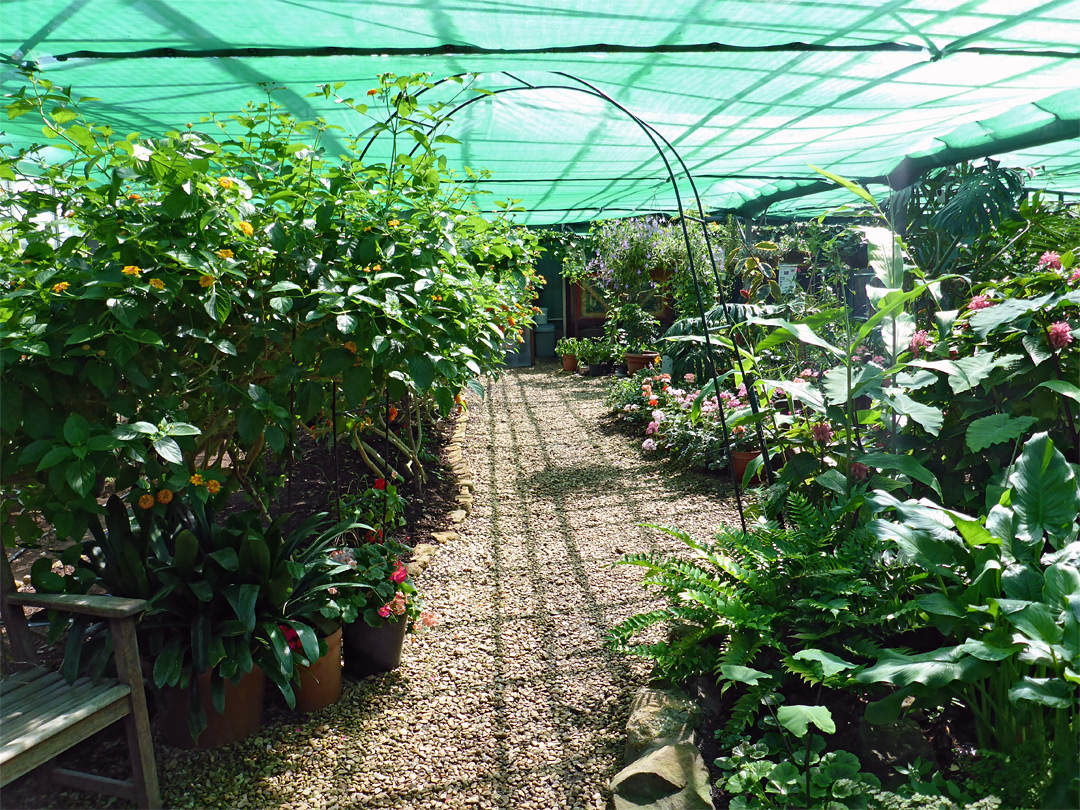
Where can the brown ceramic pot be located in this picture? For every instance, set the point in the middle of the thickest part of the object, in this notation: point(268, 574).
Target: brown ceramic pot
point(242, 716)
point(636, 362)
point(569, 362)
point(740, 459)
point(320, 683)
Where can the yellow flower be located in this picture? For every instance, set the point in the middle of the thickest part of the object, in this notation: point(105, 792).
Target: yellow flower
point(164, 496)
point(213, 487)
point(156, 283)
point(247, 229)
point(225, 182)
point(224, 253)
point(132, 270)
point(376, 267)
point(59, 288)
point(146, 500)
point(436, 298)
point(656, 360)
point(393, 223)
point(207, 281)
point(197, 480)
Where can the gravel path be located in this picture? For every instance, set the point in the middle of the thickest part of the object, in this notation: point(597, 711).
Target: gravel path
point(511, 701)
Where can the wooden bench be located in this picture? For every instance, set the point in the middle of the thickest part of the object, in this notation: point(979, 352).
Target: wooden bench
point(42, 715)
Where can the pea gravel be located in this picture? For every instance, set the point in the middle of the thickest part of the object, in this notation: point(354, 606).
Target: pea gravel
point(511, 701)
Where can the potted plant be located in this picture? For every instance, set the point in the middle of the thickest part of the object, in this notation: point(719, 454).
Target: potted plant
point(634, 330)
point(224, 603)
point(379, 611)
point(569, 349)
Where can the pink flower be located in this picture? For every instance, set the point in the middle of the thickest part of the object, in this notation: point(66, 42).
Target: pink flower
point(859, 471)
point(648, 445)
point(879, 360)
point(979, 302)
point(689, 377)
point(397, 604)
point(428, 619)
point(1060, 335)
point(400, 574)
point(920, 340)
point(658, 416)
point(292, 638)
point(1075, 275)
point(821, 432)
point(384, 611)
point(652, 428)
point(1050, 259)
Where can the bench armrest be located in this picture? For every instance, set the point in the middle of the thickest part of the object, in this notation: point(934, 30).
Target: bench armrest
point(101, 607)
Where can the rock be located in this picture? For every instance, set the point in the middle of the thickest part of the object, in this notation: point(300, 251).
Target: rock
point(444, 537)
point(466, 501)
point(425, 550)
point(666, 777)
point(466, 483)
point(659, 714)
point(414, 568)
point(458, 516)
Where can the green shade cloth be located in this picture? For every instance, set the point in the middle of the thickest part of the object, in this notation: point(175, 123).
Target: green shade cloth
point(749, 92)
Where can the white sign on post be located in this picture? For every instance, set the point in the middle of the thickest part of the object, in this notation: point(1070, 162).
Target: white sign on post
point(785, 277)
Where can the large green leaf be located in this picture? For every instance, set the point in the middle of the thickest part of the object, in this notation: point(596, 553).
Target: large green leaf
point(830, 664)
point(1045, 495)
point(928, 417)
point(800, 391)
point(996, 428)
point(863, 379)
point(987, 320)
point(886, 255)
point(936, 669)
point(907, 465)
point(803, 332)
point(1052, 692)
point(1066, 389)
point(797, 719)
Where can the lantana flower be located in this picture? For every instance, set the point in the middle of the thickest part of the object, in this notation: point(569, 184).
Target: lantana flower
point(164, 496)
point(207, 281)
point(246, 228)
point(132, 270)
point(59, 288)
point(213, 487)
point(196, 480)
point(156, 283)
point(224, 253)
point(146, 500)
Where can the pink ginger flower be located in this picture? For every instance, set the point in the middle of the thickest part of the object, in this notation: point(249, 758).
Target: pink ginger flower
point(1060, 335)
point(920, 340)
point(979, 302)
point(1075, 277)
point(648, 445)
point(879, 360)
point(1051, 259)
point(400, 574)
point(822, 433)
point(859, 471)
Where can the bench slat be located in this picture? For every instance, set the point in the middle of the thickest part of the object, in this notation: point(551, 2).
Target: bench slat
point(64, 702)
point(28, 704)
point(23, 692)
point(63, 717)
point(18, 678)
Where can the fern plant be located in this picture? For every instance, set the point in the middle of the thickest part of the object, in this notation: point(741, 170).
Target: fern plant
point(761, 596)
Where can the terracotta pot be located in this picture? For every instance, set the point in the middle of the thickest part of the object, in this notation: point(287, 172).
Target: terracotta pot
point(569, 362)
point(242, 716)
point(320, 683)
point(740, 459)
point(636, 362)
point(370, 650)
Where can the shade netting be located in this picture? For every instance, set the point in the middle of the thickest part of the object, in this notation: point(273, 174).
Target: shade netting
point(748, 92)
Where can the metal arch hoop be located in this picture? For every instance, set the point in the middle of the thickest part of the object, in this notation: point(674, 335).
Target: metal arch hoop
point(655, 137)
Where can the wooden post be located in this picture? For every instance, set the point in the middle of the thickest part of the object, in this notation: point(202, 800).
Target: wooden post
point(137, 724)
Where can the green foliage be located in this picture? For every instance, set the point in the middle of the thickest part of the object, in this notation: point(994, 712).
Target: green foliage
point(1007, 601)
point(213, 292)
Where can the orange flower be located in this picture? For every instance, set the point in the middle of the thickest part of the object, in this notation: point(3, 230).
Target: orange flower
point(225, 182)
point(374, 91)
point(135, 197)
point(156, 283)
point(59, 288)
point(213, 487)
point(393, 413)
point(197, 480)
point(436, 298)
point(376, 267)
point(207, 281)
point(132, 270)
point(164, 496)
point(393, 223)
point(653, 402)
point(246, 228)
point(146, 500)
point(350, 346)
point(224, 253)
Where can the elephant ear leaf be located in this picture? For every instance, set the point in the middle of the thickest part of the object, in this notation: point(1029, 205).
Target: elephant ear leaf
point(797, 719)
point(1045, 497)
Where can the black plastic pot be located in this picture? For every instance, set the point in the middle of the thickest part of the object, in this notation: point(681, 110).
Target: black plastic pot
point(370, 650)
point(598, 369)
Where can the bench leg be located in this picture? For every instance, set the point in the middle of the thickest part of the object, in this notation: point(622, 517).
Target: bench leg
point(136, 724)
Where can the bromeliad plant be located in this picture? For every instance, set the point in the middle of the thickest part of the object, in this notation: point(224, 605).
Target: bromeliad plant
point(222, 598)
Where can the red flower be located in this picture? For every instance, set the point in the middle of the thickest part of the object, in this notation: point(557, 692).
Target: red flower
point(380, 483)
point(400, 574)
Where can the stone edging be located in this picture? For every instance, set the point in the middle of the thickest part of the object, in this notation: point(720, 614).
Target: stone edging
point(664, 768)
point(425, 552)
